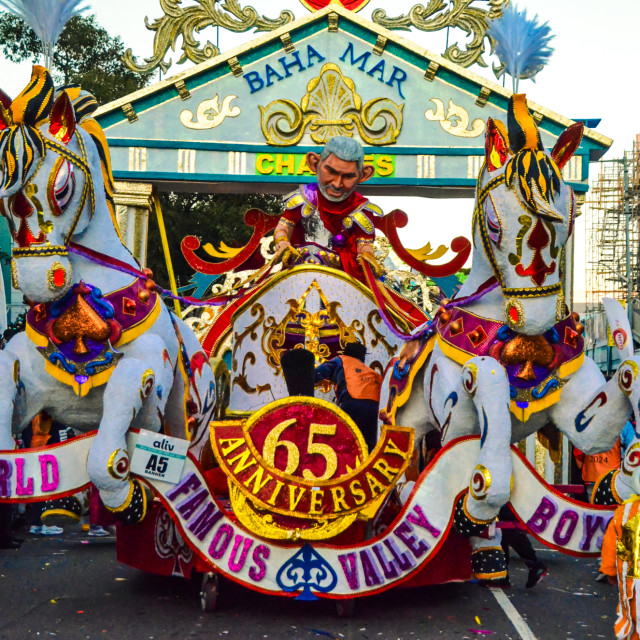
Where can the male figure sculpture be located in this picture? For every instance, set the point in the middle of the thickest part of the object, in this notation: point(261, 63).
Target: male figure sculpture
point(331, 214)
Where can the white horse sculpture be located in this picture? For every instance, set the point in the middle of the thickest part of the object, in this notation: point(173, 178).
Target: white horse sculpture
point(101, 349)
point(506, 356)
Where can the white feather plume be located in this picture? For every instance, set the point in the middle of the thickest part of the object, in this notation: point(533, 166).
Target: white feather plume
point(521, 43)
point(46, 17)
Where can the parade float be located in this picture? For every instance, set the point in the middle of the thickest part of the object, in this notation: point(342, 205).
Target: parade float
point(222, 466)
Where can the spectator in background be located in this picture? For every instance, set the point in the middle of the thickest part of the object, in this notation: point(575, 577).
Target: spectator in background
point(42, 431)
point(595, 466)
point(357, 388)
point(514, 536)
point(607, 572)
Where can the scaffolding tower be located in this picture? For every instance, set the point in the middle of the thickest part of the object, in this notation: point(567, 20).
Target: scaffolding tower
point(607, 263)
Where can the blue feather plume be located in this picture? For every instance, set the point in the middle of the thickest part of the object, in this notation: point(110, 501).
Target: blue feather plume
point(46, 17)
point(522, 44)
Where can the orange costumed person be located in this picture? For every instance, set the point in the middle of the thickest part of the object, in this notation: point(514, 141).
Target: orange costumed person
point(626, 525)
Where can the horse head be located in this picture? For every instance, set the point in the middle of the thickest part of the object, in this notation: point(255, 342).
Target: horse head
point(47, 189)
point(524, 216)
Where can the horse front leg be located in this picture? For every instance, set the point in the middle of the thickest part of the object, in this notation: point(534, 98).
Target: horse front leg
point(486, 383)
point(592, 413)
point(133, 393)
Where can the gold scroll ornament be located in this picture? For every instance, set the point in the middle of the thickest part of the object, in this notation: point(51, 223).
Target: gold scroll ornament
point(456, 121)
point(183, 22)
point(438, 15)
point(331, 107)
point(316, 326)
point(209, 114)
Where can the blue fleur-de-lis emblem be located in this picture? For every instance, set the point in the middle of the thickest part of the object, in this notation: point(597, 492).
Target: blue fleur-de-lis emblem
point(307, 570)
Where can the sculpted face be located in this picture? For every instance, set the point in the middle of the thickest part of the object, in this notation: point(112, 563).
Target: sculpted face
point(337, 179)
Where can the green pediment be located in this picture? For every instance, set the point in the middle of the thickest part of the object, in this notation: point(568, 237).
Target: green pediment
point(251, 114)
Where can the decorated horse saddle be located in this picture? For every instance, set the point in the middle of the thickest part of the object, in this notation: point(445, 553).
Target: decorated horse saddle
point(77, 334)
point(536, 365)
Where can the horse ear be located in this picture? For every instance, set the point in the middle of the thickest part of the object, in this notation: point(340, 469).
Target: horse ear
point(62, 121)
point(496, 145)
point(567, 144)
point(5, 114)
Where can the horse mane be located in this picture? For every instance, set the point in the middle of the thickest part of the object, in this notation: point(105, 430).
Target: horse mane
point(531, 170)
point(20, 123)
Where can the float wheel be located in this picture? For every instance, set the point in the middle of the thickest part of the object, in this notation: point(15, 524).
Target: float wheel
point(345, 608)
point(209, 590)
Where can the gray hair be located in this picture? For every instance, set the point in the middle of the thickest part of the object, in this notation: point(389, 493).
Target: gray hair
point(346, 149)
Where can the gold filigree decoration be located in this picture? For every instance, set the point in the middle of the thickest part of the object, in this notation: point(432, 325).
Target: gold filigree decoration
point(256, 310)
point(313, 325)
point(183, 22)
point(261, 522)
point(374, 316)
point(331, 107)
point(628, 547)
point(209, 114)
point(241, 378)
point(439, 14)
point(412, 285)
point(456, 121)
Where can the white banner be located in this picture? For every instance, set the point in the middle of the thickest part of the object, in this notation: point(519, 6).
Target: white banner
point(375, 565)
point(392, 557)
point(44, 473)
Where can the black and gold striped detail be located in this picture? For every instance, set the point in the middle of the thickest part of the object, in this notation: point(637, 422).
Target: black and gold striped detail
point(489, 564)
point(604, 491)
point(466, 524)
point(39, 251)
point(533, 292)
point(21, 144)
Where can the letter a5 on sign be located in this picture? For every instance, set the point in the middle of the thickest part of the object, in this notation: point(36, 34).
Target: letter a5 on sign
point(158, 456)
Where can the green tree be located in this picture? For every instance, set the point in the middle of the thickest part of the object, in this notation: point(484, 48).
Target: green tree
point(212, 218)
point(85, 54)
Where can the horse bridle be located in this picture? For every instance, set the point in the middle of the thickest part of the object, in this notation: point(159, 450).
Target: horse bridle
point(480, 215)
point(88, 190)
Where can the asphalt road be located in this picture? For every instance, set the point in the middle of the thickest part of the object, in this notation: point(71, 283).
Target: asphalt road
point(73, 588)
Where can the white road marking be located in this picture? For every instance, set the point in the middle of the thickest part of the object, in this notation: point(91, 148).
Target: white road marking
point(512, 613)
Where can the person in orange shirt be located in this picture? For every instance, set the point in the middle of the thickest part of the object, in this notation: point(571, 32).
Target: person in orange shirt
point(608, 556)
point(357, 388)
point(595, 466)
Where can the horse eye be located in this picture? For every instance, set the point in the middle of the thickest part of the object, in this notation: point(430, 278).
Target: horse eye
point(494, 228)
point(63, 187)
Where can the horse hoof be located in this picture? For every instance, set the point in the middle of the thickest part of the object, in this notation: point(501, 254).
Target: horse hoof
point(464, 523)
point(61, 511)
point(489, 565)
point(135, 508)
point(604, 492)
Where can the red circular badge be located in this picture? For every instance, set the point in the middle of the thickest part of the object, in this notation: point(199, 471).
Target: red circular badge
point(307, 438)
point(316, 5)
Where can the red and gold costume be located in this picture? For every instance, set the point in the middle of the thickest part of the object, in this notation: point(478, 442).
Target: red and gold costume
point(348, 224)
